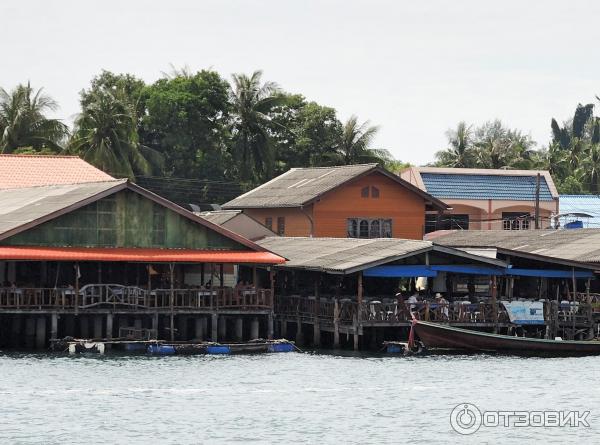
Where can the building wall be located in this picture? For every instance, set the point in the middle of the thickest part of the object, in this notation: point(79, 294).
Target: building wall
point(487, 214)
point(124, 219)
point(297, 223)
point(405, 208)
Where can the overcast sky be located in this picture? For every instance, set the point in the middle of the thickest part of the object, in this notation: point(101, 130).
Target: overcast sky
point(413, 68)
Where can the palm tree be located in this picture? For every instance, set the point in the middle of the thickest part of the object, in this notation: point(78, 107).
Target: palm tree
point(106, 136)
point(354, 146)
point(24, 124)
point(252, 103)
point(460, 150)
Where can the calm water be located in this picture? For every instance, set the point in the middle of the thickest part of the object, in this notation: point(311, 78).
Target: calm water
point(278, 398)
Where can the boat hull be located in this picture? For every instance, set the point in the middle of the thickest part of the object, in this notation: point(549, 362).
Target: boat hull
point(439, 336)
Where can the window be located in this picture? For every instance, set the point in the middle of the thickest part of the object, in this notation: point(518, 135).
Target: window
point(515, 220)
point(352, 228)
point(280, 225)
point(369, 228)
point(269, 223)
point(446, 222)
point(158, 225)
point(364, 193)
point(374, 192)
point(386, 228)
point(375, 231)
point(364, 228)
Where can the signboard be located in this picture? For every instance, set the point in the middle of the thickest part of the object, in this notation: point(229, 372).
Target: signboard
point(525, 312)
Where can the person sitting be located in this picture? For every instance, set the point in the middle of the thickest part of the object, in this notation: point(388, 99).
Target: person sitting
point(413, 300)
point(208, 285)
point(443, 305)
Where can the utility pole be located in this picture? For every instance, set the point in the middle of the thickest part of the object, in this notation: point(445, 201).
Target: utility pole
point(537, 202)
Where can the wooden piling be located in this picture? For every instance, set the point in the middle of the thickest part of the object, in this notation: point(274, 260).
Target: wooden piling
point(109, 326)
point(54, 326)
point(254, 329)
point(355, 330)
point(40, 332)
point(214, 327)
point(270, 327)
point(336, 324)
point(239, 329)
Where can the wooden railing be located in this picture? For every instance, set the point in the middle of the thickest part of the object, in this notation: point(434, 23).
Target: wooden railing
point(116, 295)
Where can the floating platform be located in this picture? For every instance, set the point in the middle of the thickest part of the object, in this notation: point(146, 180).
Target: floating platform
point(254, 347)
point(159, 347)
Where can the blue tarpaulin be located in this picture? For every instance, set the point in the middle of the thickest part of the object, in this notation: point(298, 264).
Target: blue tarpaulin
point(399, 271)
point(469, 269)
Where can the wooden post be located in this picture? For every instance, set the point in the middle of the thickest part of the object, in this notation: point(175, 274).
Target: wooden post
point(359, 296)
point(573, 306)
point(271, 301)
point(149, 267)
point(109, 326)
point(213, 327)
point(76, 296)
point(172, 300)
point(270, 328)
point(336, 324)
point(54, 326)
point(495, 303)
point(221, 276)
point(355, 329)
point(511, 283)
point(316, 325)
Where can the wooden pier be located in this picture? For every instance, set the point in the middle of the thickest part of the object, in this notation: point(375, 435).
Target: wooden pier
point(366, 325)
point(32, 317)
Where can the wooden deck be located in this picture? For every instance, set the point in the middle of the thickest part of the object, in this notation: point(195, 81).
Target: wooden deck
point(120, 298)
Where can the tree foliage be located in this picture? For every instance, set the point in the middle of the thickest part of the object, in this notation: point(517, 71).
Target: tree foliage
point(23, 121)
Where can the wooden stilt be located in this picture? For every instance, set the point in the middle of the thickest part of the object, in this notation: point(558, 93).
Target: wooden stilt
point(172, 300)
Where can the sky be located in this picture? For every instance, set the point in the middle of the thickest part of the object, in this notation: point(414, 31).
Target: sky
point(415, 69)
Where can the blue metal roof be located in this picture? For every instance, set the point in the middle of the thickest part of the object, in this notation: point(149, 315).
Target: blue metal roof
point(582, 204)
point(458, 186)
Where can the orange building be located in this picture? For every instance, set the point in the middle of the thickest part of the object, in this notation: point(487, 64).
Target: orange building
point(356, 201)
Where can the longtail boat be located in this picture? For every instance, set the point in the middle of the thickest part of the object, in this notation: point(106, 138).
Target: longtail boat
point(440, 336)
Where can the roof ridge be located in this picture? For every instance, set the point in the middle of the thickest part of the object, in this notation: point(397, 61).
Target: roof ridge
point(39, 155)
point(115, 180)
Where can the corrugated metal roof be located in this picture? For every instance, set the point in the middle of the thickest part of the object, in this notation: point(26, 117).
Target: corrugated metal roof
point(470, 186)
point(25, 205)
point(347, 255)
point(581, 245)
point(18, 171)
point(300, 186)
point(134, 255)
point(589, 204)
point(218, 217)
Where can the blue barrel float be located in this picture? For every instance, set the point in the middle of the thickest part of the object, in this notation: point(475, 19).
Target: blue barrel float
point(281, 347)
point(218, 349)
point(161, 349)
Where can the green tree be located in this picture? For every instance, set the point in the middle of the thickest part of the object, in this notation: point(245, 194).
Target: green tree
point(106, 136)
point(304, 133)
point(354, 145)
point(23, 122)
point(253, 103)
point(187, 118)
point(460, 152)
point(126, 85)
